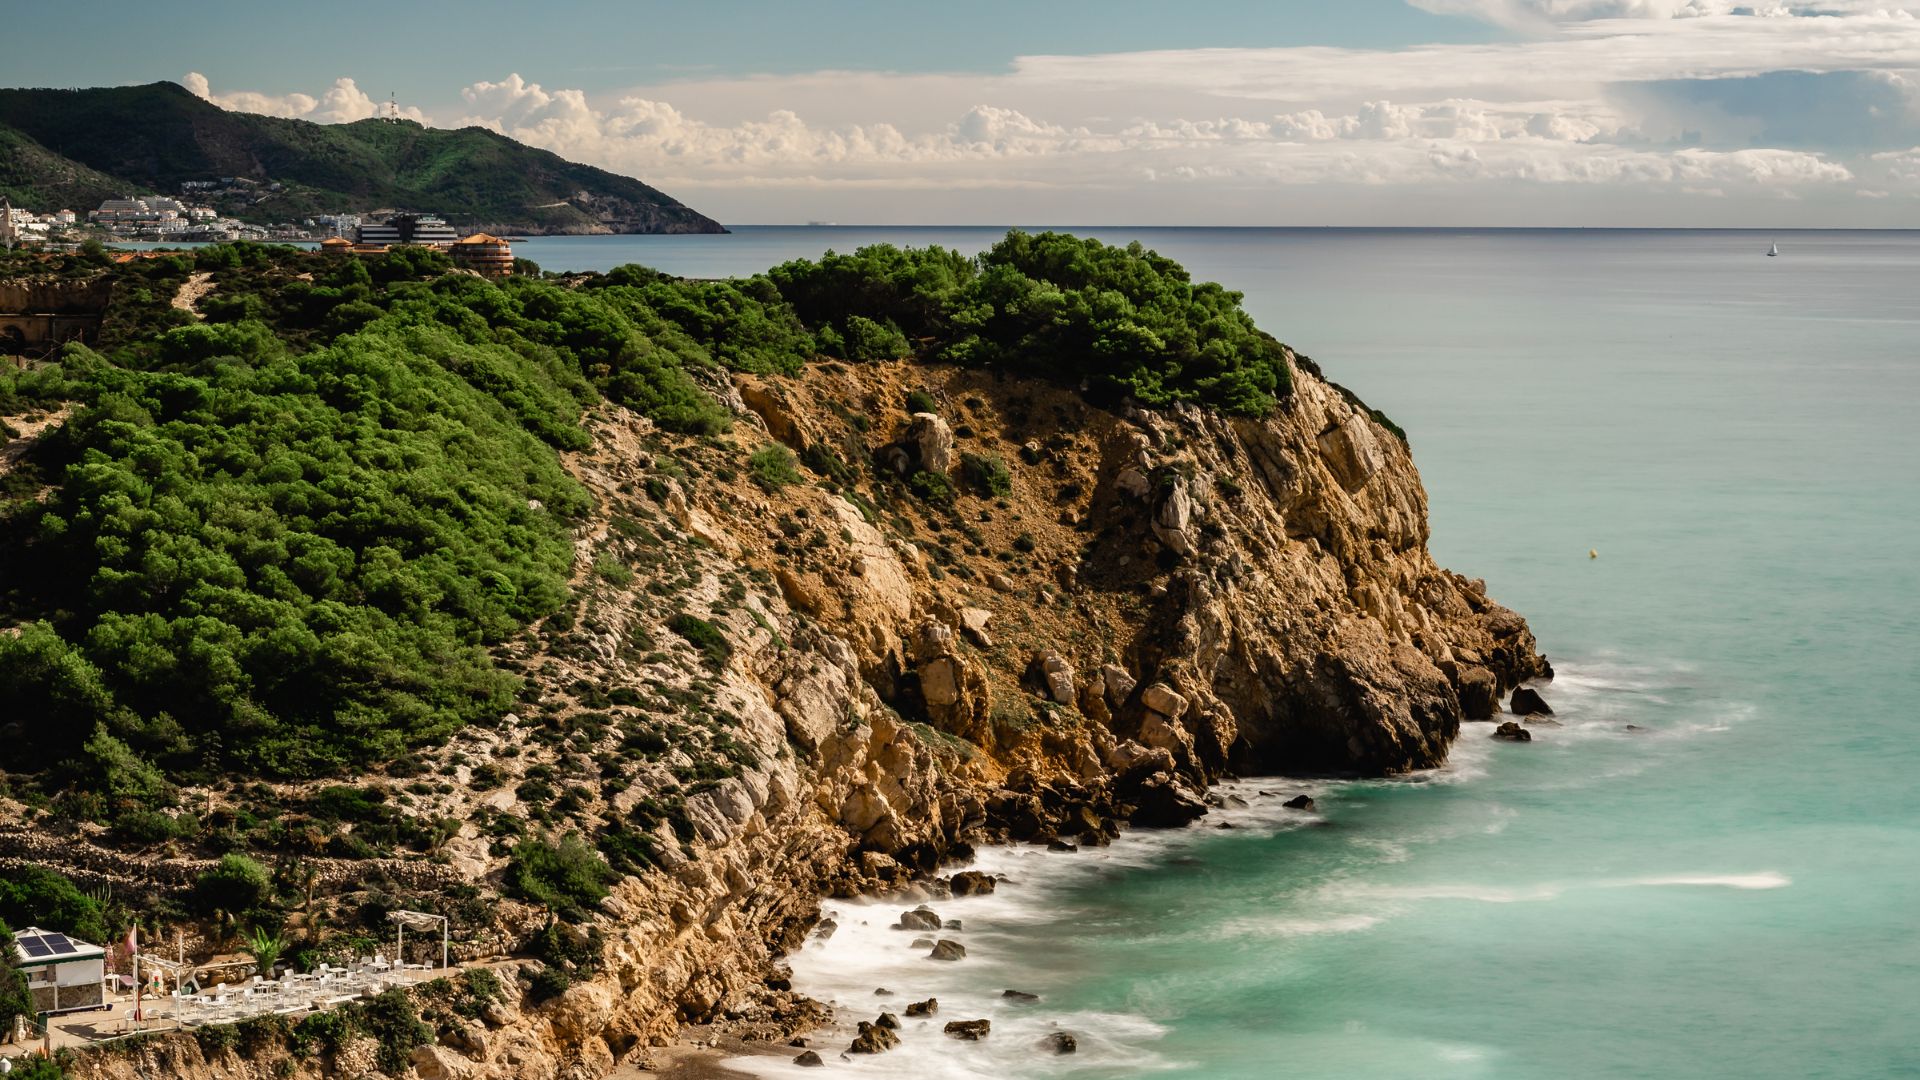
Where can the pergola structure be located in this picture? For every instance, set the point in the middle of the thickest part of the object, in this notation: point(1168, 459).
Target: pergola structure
point(418, 921)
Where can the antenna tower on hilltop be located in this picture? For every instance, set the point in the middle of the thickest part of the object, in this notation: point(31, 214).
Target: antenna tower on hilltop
point(392, 112)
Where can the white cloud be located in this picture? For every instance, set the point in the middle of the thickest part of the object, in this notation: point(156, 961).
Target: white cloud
point(341, 103)
point(1575, 103)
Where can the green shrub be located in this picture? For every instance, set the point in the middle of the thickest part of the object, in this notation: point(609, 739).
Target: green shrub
point(919, 401)
point(988, 475)
point(35, 896)
point(566, 875)
point(15, 997)
point(931, 487)
point(612, 571)
point(550, 983)
point(704, 636)
point(236, 885)
point(772, 467)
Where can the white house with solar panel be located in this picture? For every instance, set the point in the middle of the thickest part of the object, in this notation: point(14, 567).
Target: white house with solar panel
point(64, 974)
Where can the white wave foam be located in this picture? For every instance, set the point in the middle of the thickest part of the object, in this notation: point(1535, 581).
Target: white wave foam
point(1277, 927)
point(1765, 880)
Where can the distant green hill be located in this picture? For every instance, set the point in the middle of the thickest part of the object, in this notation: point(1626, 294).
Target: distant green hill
point(39, 179)
point(76, 146)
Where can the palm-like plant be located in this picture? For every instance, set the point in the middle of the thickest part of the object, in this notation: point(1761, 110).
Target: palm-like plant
point(266, 947)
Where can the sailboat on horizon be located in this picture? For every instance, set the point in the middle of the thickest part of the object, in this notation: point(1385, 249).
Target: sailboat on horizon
point(1773, 250)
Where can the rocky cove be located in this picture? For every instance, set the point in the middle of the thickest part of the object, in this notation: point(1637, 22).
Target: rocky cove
point(1129, 607)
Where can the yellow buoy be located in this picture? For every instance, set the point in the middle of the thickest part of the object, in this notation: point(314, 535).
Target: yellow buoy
point(1593, 553)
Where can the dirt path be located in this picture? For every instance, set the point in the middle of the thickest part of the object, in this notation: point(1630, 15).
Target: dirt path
point(191, 291)
point(29, 429)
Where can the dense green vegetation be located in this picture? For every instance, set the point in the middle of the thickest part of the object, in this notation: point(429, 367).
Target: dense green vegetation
point(15, 998)
point(75, 147)
point(1124, 322)
point(281, 541)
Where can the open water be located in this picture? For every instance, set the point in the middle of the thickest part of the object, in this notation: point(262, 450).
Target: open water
point(1732, 892)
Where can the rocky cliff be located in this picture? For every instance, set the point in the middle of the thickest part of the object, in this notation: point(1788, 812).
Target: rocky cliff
point(1016, 615)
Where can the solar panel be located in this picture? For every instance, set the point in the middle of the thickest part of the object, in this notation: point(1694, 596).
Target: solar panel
point(58, 942)
point(35, 947)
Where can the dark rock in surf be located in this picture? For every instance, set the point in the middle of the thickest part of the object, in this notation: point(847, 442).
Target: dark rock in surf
point(970, 1030)
point(971, 883)
point(1528, 702)
point(1513, 731)
point(1165, 803)
point(1019, 997)
point(920, 918)
point(1299, 802)
point(881, 991)
point(1060, 1043)
point(923, 1008)
point(951, 924)
point(921, 943)
point(873, 1039)
point(1479, 693)
point(948, 950)
point(809, 1060)
point(889, 1021)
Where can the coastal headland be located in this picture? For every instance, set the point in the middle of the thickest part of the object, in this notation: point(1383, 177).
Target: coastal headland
point(797, 630)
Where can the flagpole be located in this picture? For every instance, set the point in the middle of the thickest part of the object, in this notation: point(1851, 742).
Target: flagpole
point(133, 945)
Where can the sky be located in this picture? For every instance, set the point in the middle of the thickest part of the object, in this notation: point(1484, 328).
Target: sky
point(1758, 113)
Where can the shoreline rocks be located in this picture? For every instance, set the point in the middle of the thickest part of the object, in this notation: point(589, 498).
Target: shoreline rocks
point(1513, 732)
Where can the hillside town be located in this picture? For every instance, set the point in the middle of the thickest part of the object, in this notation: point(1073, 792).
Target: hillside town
point(160, 219)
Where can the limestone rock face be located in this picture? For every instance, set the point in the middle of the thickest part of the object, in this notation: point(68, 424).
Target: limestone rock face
point(932, 439)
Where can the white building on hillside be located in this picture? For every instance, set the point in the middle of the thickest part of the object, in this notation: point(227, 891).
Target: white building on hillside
point(64, 974)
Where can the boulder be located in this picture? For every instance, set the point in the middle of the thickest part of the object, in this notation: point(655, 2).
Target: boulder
point(948, 949)
point(1118, 683)
point(970, 1030)
point(933, 440)
point(1059, 1043)
point(1164, 803)
point(940, 681)
point(1059, 677)
point(1479, 693)
point(973, 622)
point(1019, 997)
point(920, 918)
point(1512, 730)
point(1528, 702)
point(923, 1008)
point(1299, 802)
point(1164, 700)
point(873, 1039)
point(1171, 520)
point(809, 1060)
point(437, 1063)
point(889, 1021)
point(1000, 582)
point(921, 943)
point(971, 883)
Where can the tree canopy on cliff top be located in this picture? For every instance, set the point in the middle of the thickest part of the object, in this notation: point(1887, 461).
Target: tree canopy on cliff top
point(280, 541)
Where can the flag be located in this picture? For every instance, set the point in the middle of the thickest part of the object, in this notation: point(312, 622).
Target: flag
point(133, 941)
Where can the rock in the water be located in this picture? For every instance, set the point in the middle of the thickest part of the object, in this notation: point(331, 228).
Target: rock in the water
point(824, 929)
point(1020, 996)
point(923, 1008)
point(951, 924)
point(1060, 1043)
point(946, 949)
point(889, 1021)
point(971, 883)
point(873, 1039)
point(970, 1030)
point(1528, 702)
point(1164, 803)
point(881, 991)
point(1057, 844)
point(809, 1059)
point(921, 943)
point(920, 918)
point(1299, 802)
point(1479, 693)
point(1512, 730)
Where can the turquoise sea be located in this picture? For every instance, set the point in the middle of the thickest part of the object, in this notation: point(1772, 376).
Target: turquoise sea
point(1733, 891)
